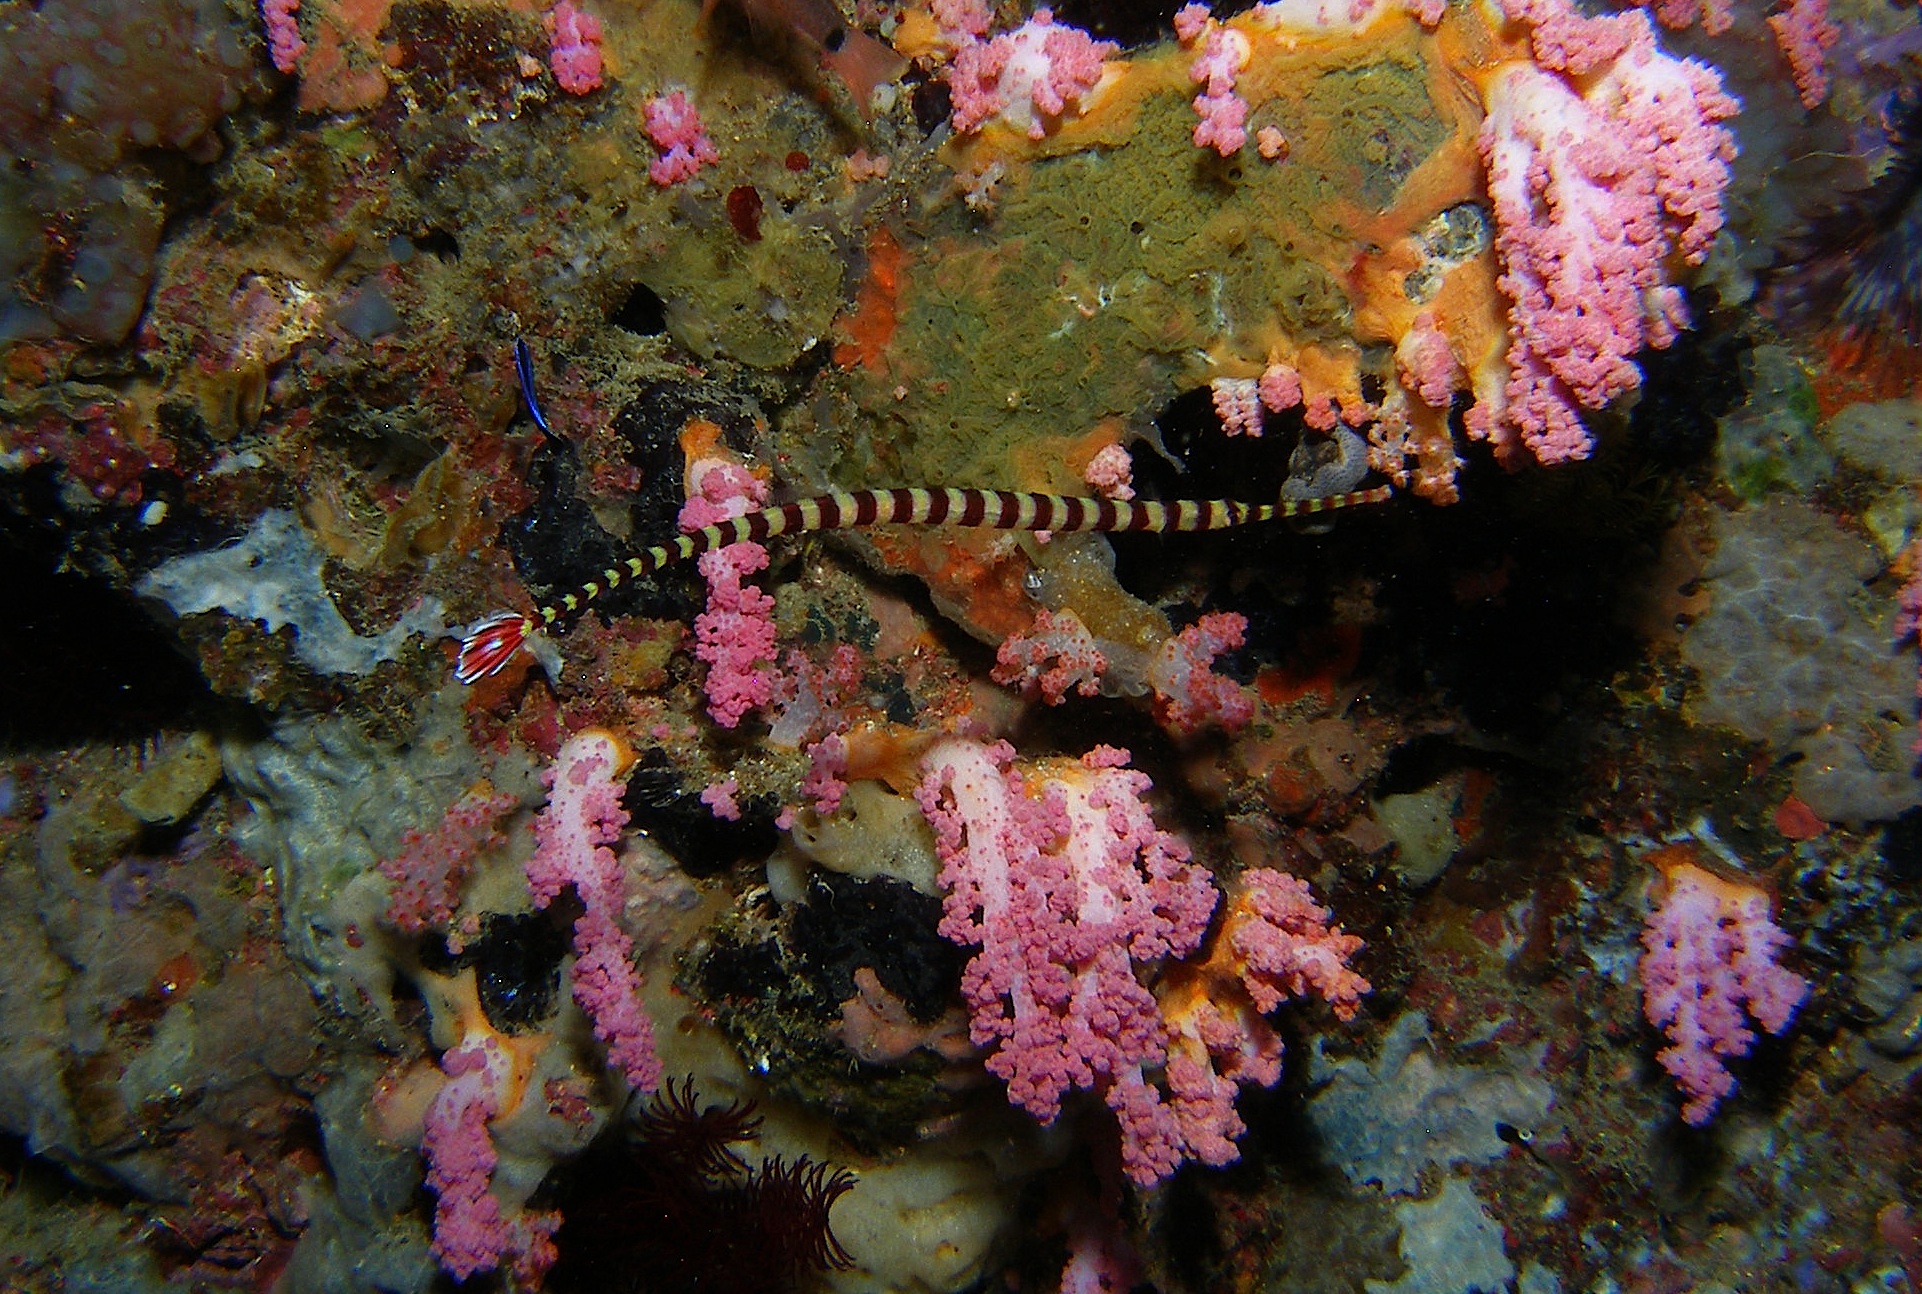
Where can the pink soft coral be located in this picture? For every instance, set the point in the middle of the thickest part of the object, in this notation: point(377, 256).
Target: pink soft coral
point(1188, 691)
point(1274, 943)
point(1237, 402)
point(675, 127)
point(471, 1234)
point(1285, 947)
point(583, 816)
point(1065, 886)
point(575, 52)
point(428, 872)
point(1805, 36)
point(1057, 654)
point(1220, 55)
point(1029, 78)
point(735, 636)
point(1711, 951)
point(284, 44)
point(1606, 162)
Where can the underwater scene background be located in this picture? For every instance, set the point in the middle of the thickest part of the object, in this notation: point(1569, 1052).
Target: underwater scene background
point(930, 646)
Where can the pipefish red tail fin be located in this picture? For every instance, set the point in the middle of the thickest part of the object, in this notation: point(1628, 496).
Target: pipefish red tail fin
point(490, 644)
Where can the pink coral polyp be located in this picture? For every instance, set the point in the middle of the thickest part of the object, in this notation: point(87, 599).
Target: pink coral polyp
point(1711, 966)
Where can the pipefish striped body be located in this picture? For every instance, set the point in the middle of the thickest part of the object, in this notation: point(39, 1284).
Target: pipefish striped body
point(489, 645)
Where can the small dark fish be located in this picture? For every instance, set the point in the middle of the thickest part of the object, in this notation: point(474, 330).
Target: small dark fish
point(862, 63)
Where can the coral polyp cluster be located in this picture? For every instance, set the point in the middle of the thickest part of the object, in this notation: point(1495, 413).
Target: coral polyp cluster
point(1459, 195)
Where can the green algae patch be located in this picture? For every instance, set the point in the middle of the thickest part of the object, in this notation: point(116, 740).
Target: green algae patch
point(1098, 284)
point(762, 304)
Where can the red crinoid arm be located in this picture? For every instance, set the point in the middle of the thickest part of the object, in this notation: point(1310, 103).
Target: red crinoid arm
point(489, 645)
